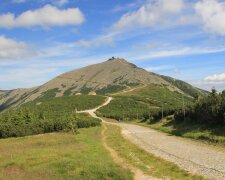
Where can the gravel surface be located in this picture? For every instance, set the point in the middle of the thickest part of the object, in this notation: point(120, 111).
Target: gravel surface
point(192, 156)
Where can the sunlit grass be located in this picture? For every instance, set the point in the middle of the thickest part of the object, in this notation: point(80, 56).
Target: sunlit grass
point(150, 164)
point(58, 156)
point(209, 134)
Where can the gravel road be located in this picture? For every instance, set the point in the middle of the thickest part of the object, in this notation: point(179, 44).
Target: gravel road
point(192, 156)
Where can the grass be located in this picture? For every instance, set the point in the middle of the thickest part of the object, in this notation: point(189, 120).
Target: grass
point(139, 158)
point(67, 102)
point(214, 135)
point(110, 89)
point(144, 102)
point(156, 94)
point(49, 94)
point(44, 116)
point(58, 156)
point(124, 108)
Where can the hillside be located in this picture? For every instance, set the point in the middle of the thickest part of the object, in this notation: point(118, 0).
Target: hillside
point(185, 87)
point(108, 77)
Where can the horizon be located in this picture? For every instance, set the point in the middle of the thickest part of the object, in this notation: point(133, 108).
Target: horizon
point(109, 59)
point(177, 38)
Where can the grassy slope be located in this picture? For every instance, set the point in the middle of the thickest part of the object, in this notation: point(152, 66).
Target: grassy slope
point(199, 131)
point(45, 115)
point(212, 134)
point(57, 156)
point(185, 87)
point(81, 102)
point(150, 164)
point(154, 93)
point(144, 101)
point(140, 102)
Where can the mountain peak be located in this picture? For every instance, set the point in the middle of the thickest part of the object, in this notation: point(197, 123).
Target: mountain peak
point(118, 59)
point(113, 75)
point(121, 61)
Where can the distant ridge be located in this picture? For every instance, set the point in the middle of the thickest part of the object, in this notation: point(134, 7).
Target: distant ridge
point(113, 75)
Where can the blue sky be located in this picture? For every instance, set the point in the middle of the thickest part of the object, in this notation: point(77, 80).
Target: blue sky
point(40, 39)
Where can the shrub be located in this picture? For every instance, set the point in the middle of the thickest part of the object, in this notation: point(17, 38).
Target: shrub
point(209, 109)
point(52, 115)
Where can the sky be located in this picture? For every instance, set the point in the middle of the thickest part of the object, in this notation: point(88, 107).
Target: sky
point(40, 39)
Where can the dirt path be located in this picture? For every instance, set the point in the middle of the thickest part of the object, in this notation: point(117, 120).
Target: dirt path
point(194, 157)
point(129, 89)
point(138, 174)
point(92, 111)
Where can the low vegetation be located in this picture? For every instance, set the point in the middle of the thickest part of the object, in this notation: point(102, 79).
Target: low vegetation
point(123, 108)
point(203, 120)
point(151, 165)
point(210, 134)
point(110, 89)
point(185, 87)
point(45, 116)
point(204, 116)
point(59, 156)
point(144, 104)
point(208, 110)
point(48, 94)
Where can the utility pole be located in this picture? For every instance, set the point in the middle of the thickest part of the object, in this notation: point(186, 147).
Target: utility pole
point(183, 106)
point(123, 115)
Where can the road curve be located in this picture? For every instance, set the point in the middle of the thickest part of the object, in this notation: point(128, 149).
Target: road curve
point(192, 156)
point(92, 111)
point(138, 174)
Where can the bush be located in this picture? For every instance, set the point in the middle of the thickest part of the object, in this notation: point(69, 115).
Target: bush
point(50, 116)
point(209, 110)
point(131, 108)
point(86, 121)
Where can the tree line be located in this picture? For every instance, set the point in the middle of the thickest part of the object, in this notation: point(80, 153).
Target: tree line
point(57, 114)
point(209, 109)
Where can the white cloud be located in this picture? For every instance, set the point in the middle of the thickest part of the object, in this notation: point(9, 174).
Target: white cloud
point(212, 14)
point(37, 71)
point(216, 81)
point(27, 76)
point(209, 85)
point(170, 52)
point(127, 7)
point(151, 13)
point(55, 2)
point(46, 16)
point(216, 77)
point(104, 40)
point(19, 1)
point(158, 68)
point(60, 2)
point(10, 48)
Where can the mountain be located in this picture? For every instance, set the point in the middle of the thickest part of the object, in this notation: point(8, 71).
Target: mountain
point(185, 87)
point(110, 76)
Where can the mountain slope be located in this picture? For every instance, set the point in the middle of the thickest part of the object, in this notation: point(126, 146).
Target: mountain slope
point(114, 72)
point(185, 87)
point(107, 77)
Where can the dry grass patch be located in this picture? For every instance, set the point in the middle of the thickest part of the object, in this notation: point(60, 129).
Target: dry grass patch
point(139, 158)
point(58, 156)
